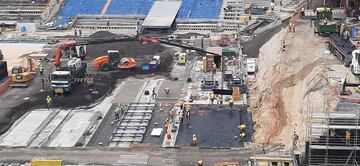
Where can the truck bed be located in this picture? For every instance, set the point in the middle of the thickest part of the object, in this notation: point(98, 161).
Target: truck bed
point(341, 47)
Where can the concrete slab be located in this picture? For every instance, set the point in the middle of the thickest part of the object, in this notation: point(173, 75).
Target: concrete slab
point(45, 134)
point(215, 128)
point(149, 85)
point(175, 91)
point(23, 131)
point(73, 130)
point(156, 132)
point(129, 91)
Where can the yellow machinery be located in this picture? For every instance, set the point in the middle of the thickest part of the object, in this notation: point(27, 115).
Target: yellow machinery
point(46, 162)
point(22, 76)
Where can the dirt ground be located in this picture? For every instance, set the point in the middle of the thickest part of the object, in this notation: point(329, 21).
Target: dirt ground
point(13, 55)
point(286, 82)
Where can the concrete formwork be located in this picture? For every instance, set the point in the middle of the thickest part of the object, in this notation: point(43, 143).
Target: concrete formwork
point(132, 125)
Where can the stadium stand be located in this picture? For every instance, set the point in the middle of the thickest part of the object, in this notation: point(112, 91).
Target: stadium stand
point(130, 7)
point(75, 7)
point(200, 9)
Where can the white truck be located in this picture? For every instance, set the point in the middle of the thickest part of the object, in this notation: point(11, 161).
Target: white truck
point(251, 65)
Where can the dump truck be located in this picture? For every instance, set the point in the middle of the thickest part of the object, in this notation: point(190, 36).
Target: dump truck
point(345, 51)
point(324, 23)
point(64, 80)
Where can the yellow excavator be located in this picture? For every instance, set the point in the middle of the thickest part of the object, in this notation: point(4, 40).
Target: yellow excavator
point(21, 76)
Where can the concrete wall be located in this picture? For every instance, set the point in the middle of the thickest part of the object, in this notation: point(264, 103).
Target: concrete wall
point(26, 27)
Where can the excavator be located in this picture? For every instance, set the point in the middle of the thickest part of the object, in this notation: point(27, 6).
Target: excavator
point(77, 48)
point(21, 76)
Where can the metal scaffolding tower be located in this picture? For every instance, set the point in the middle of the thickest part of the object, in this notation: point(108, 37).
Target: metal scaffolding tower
point(326, 134)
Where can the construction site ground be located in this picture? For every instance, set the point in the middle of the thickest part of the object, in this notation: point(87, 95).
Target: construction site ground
point(16, 102)
point(288, 81)
point(224, 134)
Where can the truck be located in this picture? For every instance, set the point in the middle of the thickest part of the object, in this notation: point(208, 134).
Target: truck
point(153, 64)
point(324, 22)
point(345, 51)
point(64, 80)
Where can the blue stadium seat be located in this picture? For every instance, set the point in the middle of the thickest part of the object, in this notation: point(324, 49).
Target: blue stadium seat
point(200, 9)
point(75, 7)
point(130, 7)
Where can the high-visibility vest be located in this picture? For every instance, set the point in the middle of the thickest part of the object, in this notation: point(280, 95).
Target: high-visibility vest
point(49, 100)
point(348, 135)
point(242, 135)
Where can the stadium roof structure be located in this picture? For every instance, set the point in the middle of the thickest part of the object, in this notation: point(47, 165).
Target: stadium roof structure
point(162, 14)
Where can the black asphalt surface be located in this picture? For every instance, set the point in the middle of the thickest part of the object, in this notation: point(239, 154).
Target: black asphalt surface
point(105, 130)
point(215, 128)
point(251, 48)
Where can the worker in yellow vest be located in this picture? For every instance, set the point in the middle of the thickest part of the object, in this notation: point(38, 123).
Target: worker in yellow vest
point(49, 102)
point(231, 103)
point(242, 135)
point(348, 136)
point(181, 103)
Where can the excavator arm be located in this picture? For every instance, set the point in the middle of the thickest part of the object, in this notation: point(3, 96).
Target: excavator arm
point(88, 41)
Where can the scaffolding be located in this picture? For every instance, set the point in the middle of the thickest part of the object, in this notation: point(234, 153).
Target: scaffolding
point(326, 134)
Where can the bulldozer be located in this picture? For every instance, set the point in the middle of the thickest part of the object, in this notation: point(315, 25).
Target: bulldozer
point(22, 76)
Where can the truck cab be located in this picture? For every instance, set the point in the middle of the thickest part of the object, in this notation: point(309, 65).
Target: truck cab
point(354, 66)
point(61, 82)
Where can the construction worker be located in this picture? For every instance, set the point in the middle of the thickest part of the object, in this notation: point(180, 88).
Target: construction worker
point(166, 123)
point(283, 45)
point(293, 27)
point(49, 102)
point(41, 69)
point(187, 115)
point(347, 136)
point(172, 114)
point(167, 90)
point(242, 135)
point(212, 98)
point(302, 11)
point(231, 103)
point(153, 94)
point(242, 128)
point(200, 163)
point(117, 112)
point(342, 30)
point(181, 103)
point(194, 140)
